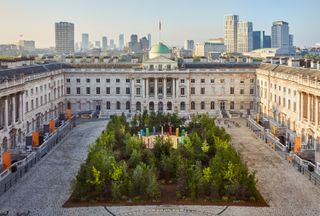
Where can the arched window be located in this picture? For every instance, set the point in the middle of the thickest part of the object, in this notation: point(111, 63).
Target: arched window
point(203, 105)
point(128, 105)
point(138, 106)
point(108, 105)
point(118, 105)
point(212, 105)
point(151, 106)
point(169, 106)
point(182, 106)
point(193, 105)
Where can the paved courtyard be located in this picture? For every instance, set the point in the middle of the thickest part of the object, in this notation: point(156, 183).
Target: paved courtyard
point(44, 190)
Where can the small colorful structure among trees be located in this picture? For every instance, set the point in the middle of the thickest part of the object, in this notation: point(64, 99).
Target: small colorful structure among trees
point(204, 166)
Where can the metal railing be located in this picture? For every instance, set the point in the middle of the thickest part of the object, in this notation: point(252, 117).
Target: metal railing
point(17, 170)
point(305, 167)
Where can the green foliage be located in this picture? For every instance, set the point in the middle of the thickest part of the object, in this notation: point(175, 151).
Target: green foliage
point(204, 165)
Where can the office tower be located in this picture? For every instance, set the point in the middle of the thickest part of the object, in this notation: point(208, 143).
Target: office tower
point(104, 43)
point(257, 40)
point(280, 36)
point(266, 40)
point(112, 44)
point(85, 42)
point(121, 41)
point(188, 44)
point(204, 49)
point(149, 39)
point(244, 37)
point(27, 45)
point(64, 37)
point(98, 44)
point(134, 38)
point(144, 43)
point(230, 32)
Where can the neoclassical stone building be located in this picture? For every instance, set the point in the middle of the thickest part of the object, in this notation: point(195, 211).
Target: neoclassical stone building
point(284, 97)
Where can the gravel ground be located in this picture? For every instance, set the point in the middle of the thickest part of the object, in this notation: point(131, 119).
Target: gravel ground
point(44, 190)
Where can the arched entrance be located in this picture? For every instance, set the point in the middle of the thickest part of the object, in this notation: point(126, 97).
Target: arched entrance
point(151, 106)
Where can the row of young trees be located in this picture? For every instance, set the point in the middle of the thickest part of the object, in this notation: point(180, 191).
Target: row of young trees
point(204, 166)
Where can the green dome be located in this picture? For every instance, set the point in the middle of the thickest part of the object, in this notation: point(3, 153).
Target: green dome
point(160, 48)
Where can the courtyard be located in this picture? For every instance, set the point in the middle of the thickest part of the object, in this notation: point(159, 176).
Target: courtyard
point(44, 190)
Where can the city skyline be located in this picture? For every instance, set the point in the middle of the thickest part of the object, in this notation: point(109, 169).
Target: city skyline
point(111, 18)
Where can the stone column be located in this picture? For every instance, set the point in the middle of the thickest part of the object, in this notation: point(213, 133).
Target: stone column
point(143, 90)
point(301, 106)
point(6, 113)
point(316, 111)
point(147, 88)
point(308, 109)
point(13, 98)
point(164, 88)
point(21, 107)
point(173, 88)
point(155, 88)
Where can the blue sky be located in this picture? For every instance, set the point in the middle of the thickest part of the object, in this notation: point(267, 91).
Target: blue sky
point(181, 19)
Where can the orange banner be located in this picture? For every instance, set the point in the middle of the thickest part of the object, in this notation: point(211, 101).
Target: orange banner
point(68, 114)
point(35, 139)
point(297, 145)
point(6, 159)
point(52, 126)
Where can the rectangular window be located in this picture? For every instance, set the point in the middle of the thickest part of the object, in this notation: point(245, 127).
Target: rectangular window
point(117, 80)
point(97, 80)
point(192, 80)
point(118, 90)
point(221, 80)
point(203, 91)
point(138, 80)
point(193, 90)
point(252, 80)
point(108, 105)
point(27, 107)
point(67, 80)
point(241, 81)
point(107, 80)
point(87, 80)
point(252, 92)
point(68, 90)
point(127, 90)
point(182, 81)
point(78, 80)
point(231, 90)
point(242, 91)
point(138, 91)
point(108, 90)
point(97, 90)
point(127, 80)
point(182, 91)
point(212, 80)
point(203, 80)
point(294, 106)
point(78, 90)
point(88, 90)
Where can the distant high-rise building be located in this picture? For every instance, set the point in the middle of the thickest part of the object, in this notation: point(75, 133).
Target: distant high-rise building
point(64, 37)
point(27, 45)
point(134, 45)
point(257, 40)
point(230, 32)
point(121, 41)
point(188, 44)
point(85, 41)
point(149, 39)
point(104, 43)
point(98, 44)
point(134, 38)
point(280, 36)
point(266, 40)
point(112, 44)
point(244, 37)
point(144, 43)
point(204, 49)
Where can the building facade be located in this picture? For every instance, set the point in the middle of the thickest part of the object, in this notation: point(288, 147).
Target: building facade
point(244, 37)
point(230, 32)
point(64, 37)
point(280, 36)
point(85, 44)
